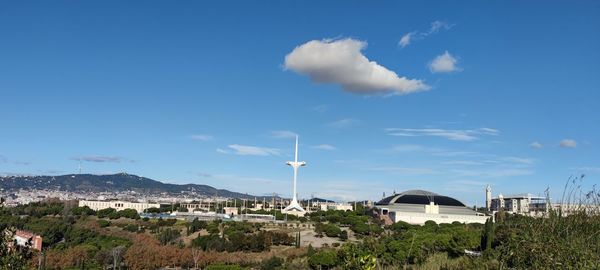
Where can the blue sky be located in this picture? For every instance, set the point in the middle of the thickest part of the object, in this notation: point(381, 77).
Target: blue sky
point(441, 96)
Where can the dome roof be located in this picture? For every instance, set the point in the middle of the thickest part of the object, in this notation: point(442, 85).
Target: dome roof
point(419, 197)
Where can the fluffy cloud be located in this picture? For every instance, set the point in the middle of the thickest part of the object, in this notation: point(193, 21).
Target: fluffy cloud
point(444, 63)
point(568, 143)
point(283, 134)
point(450, 134)
point(324, 147)
point(247, 150)
point(435, 27)
point(202, 137)
point(342, 62)
point(536, 145)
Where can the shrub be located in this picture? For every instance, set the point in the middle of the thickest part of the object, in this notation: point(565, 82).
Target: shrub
point(103, 223)
point(272, 263)
point(323, 259)
point(131, 228)
point(344, 235)
point(223, 267)
point(105, 212)
point(129, 213)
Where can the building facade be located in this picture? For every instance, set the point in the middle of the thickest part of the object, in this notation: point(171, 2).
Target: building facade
point(419, 206)
point(118, 205)
point(523, 204)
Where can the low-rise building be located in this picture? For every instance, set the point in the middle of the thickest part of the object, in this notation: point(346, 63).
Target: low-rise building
point(24, 238)
point(524, 204)
point(419, 206)
point(336, 206)
point(118, 205)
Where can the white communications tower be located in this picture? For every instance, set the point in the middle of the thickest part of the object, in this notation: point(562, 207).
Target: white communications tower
point(294, 206)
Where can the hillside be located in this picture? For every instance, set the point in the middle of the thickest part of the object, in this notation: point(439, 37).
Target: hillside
point(109, 183)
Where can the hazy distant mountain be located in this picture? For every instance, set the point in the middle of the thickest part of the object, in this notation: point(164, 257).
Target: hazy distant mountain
point(111, 183)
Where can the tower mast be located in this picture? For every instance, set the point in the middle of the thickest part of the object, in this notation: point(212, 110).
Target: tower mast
point(294, 205)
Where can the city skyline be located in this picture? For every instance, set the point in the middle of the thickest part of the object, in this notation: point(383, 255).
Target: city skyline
point(469, 94)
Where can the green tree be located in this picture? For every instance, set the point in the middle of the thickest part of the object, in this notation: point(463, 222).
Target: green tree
point(344, 235)
point(324, 259)
point(105, 212)
point(168, 236)
point(487, 237)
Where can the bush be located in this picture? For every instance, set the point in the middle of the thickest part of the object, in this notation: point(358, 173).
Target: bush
point(114, 215)
point(168, 236)
point(344, 235)
point(131, 228)
point(272, 263)
point(224, 267)
point(324, 259)
point(103, 223)
point(129, 213)
point(105, 212)
point(83, 211)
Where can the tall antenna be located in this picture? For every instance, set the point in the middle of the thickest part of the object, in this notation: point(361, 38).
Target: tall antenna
point(79, 165)
point(294, 205)
point(296, 150)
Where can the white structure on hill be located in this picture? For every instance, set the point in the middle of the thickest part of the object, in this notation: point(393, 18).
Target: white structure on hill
point(118, 205)
point(294, 207)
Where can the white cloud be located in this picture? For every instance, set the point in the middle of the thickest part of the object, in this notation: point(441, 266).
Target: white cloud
point(403, 170)
point(324, 147)
point(283, 134)
point(463, 162)
point(587, 169)
point(444, 63)
point(320, 108)
point(494, 172)
point(247, 150)
point(222, 151)
point(451, 134)
point(489, 131)
point(343, 123)
point(405, 40)
point(518, 160)
point(536, 145)
point(568, 143)
point(202, 137)
point(101, 159)
point(403, 148)
point(342, 62)
point(435, 27)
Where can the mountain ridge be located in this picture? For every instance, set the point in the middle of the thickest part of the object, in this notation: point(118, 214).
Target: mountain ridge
point(120, 182)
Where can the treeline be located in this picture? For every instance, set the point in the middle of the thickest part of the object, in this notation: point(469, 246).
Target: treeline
point(241, 236)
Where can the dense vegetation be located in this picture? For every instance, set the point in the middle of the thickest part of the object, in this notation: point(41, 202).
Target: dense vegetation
point(79, 238)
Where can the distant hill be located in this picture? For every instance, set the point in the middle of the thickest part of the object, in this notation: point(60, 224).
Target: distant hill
point(110, 183)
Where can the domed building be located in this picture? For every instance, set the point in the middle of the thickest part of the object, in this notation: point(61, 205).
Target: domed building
point(419, 206)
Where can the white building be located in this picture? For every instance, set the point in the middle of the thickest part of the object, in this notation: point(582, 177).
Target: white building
point(335, 206)
point(419, 206)
point(118, 205)
point(524, 204)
